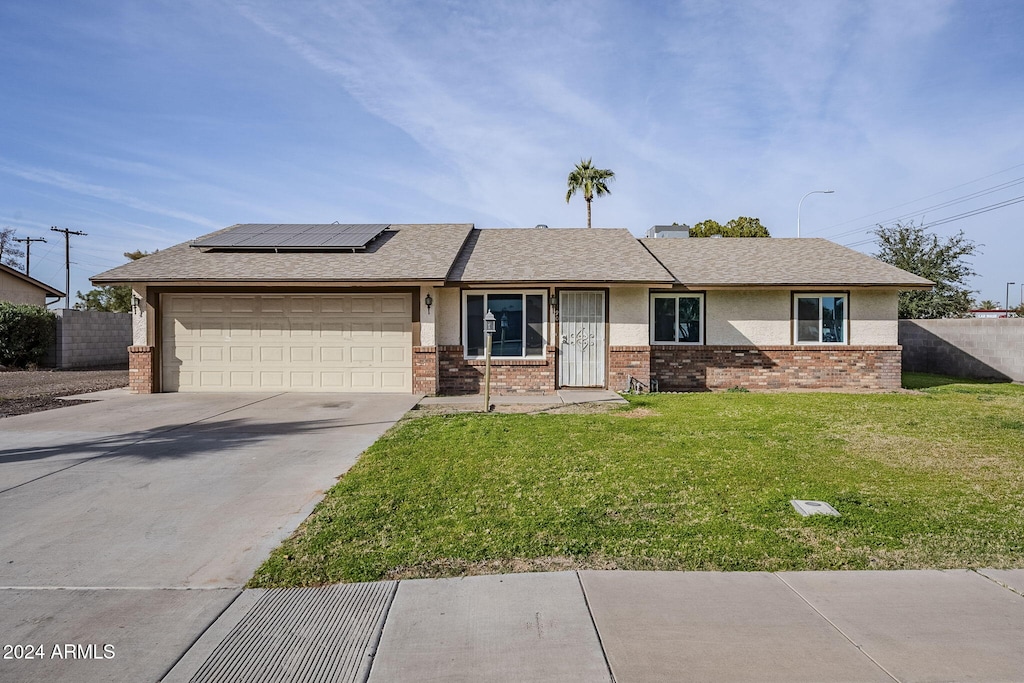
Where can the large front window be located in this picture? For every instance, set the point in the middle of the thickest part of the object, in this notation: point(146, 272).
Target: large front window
point(820, 318)
point(518, 324)
point(677, 319)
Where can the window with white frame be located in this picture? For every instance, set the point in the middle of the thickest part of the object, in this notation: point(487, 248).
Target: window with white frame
point(677, 319)
point(820, 318)
point(519, 319)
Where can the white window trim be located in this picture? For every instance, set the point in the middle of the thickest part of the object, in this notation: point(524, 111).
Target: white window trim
point(676, 295)
point(821, 318)
point(543, 293)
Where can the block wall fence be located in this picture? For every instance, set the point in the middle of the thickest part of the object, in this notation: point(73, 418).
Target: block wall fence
point(979, 348)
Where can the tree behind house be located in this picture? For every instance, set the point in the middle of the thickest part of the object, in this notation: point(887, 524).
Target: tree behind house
point(592, 182)
point(944, 262)
point(744, 226)
point(115, 299)
point(10, 253)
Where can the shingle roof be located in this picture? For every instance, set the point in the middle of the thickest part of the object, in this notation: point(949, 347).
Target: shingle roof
point(401, 253)
point(752, 261)
point(555, 255)
point(50, 291)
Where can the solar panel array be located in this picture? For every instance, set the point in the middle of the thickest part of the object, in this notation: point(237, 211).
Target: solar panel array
point(293, 236)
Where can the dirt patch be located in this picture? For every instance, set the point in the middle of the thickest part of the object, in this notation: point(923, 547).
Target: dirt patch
point(29, 391)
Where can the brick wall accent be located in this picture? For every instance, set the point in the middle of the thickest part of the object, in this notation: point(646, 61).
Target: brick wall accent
point(702, 368)
point(457, 375)
point(140, 370)
point(424, 370)
point(625, 362)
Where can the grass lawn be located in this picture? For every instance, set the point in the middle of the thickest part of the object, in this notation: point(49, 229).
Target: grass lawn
point(688, 481)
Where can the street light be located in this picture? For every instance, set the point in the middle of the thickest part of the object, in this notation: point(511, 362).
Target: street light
point(801, 204)
point(1007, 306)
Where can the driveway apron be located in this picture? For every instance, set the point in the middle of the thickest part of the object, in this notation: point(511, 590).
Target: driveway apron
point(133, 522)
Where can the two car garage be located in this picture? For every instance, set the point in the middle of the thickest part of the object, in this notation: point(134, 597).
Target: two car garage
point(286, 342)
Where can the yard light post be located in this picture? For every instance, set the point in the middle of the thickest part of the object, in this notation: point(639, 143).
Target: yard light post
point(801, 206)
point(489, 331)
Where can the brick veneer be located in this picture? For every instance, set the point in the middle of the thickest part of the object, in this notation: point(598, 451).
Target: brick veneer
point(424, 370)
point(457, 375)
point(140, 370)
point(625, 362)
point(696, 368)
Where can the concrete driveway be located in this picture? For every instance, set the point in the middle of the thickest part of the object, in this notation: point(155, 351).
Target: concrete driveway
point(129, 525)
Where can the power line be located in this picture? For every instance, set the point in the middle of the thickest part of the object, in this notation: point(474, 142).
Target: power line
point(950, 219)
point(934, 207)
point(28, 251)
point(914, 201)
point(67, 260)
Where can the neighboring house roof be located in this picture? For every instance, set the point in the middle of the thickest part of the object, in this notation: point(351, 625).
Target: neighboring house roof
point(401, 253)
point(753, 261)
point(559, 255)
point(50, 291)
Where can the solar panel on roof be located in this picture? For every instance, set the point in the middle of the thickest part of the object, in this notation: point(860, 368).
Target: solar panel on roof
point(304, 236)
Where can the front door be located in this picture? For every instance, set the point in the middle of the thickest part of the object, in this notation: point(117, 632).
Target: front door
point(581, 347)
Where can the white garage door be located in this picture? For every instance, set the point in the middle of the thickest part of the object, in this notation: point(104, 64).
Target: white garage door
point(300, 342)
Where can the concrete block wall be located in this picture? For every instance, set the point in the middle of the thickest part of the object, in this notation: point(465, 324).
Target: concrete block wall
point(92, 338)
point(980, 348)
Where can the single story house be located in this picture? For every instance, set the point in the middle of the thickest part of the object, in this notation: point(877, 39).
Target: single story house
point(400, 308)
point(18, 288)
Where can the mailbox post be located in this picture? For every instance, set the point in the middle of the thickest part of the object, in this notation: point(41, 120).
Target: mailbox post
point(489, 331)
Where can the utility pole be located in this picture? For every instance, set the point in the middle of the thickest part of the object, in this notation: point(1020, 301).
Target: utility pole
point(28, 251)
point(67, 261)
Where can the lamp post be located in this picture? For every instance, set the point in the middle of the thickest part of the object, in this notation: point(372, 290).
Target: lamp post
point(1007, 306)
point(801, 205)
point(489, 331)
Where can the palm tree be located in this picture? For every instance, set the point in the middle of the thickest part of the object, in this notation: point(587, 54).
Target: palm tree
point(592, 181)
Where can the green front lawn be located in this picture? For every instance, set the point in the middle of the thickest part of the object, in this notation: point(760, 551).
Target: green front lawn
point(690, 481)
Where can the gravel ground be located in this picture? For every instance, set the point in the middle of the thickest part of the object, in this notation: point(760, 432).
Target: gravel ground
point(29, 391)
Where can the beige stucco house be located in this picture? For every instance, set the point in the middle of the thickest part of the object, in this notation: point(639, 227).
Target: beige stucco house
point(18, 288)
point(400, 308)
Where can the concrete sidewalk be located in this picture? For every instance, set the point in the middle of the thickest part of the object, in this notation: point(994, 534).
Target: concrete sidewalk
point(954, 625)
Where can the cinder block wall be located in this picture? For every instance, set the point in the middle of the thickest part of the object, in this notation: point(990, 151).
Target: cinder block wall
point(981, 348)
point(92, 338)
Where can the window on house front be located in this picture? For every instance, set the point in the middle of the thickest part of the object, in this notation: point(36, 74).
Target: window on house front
point(677, 319)
point(518, 324)
point(820, 318)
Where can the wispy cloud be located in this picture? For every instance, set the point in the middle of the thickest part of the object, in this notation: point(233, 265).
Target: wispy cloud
point(70, 183)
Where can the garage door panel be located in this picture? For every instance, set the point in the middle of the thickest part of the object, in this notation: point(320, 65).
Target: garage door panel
point(271, 304)
point(332, 354)
point(211, 379)
point(333, 381)
point(242, 304)
point(272, 379)
point(289, 343)
point(361, 304)
point(392, 304)
point(300, 380)
point(242, 379)
point(271, 328)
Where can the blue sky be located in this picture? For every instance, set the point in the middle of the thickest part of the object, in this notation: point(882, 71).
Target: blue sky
point(148, 124)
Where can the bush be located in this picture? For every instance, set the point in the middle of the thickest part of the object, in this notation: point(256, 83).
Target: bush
point(26, 334)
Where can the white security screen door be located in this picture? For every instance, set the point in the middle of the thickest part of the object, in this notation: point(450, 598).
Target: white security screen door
point(581, 347)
